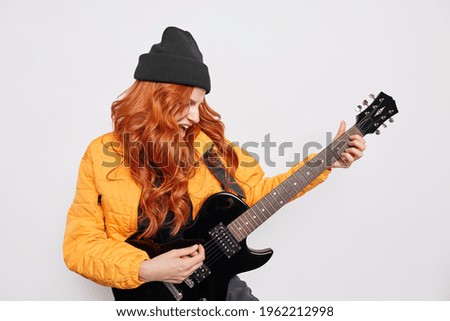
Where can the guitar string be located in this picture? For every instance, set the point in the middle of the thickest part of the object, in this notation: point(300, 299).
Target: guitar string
point(217, 253)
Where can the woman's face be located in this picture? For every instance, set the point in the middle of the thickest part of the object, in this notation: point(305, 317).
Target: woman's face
point(192, 115)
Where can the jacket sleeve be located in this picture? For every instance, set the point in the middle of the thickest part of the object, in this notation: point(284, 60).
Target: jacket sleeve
point(252, 178)
point(87, 249)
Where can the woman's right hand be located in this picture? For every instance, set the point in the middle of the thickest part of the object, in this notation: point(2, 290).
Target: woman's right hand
point(173, 266)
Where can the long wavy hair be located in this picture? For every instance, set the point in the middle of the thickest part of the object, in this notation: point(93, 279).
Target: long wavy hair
point(161, 161)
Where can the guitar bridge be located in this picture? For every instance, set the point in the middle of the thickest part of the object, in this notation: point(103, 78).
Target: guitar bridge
point(224, 240)
point(189, 282)
point(200, 274)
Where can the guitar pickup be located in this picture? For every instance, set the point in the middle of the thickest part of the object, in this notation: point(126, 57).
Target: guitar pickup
point(224, 240)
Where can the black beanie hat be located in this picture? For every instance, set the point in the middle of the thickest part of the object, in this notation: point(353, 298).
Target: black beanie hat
point(176, 59)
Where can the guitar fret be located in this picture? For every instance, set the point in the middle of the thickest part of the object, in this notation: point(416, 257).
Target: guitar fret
point(318, 168)
point(353, 131)
point(246, 223)
point(248, 220)
point(265, 201)
point(282, 195)
point(347, 139)
point(307, 174)
point(257, 215)
point(335, 149)
point(243, 226)
point(286, 191)
point(274, 200)
point(235, 230)
point(239, 227)
point(335, 155)
point(293, 185)
point(315, 166)
point(297, 182)
point(262, 210)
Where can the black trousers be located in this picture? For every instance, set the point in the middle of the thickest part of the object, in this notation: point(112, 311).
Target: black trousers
point(238, 290)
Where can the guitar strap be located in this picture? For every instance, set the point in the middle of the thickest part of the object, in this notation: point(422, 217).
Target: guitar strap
point(214, 164)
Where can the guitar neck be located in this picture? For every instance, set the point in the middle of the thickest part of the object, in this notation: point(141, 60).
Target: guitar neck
point(256, 215)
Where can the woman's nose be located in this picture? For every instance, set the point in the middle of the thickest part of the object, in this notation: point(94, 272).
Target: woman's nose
point(194, 114)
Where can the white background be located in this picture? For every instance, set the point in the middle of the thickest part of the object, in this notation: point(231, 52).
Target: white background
point(294, 69)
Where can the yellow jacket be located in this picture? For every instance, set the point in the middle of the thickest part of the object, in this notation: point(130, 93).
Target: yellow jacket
point(94, 238)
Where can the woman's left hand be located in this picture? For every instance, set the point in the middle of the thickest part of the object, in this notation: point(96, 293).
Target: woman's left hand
point(357, 145)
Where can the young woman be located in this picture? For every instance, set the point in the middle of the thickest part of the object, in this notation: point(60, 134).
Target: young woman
point(148, 178)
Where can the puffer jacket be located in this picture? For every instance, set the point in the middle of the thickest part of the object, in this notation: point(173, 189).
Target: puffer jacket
point(95, 231)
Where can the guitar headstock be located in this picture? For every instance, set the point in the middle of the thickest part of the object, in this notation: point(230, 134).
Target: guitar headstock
point(380, 110)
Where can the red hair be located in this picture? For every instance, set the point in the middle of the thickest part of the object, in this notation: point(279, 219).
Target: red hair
point(161, 161)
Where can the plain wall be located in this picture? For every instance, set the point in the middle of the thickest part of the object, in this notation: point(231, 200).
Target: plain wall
point(291, 69)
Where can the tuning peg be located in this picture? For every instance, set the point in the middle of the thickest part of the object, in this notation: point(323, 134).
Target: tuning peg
point(377, 132)
point(358, 108)
point(372, 96)
point(365, 102)
point(384, 125)
point(391, 120)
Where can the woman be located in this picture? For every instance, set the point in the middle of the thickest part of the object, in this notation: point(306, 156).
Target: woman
point(148, 178)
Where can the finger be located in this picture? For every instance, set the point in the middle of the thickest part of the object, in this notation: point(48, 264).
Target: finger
point(341, 129)
point(186, 251)
point(195, 267)
point(201, 250)
point(195, 253)
point(358, 144)
point(348, 159)
point(358, 140)
point(196, 259)
point(339, 164)
point(358, 137)
point(354, 152)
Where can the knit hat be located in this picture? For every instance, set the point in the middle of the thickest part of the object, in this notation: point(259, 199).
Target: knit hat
point(176, 59)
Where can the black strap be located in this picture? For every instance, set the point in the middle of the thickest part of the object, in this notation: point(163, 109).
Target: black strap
point(218, 169)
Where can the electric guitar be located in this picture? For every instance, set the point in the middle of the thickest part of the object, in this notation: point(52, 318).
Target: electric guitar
point(224, 221)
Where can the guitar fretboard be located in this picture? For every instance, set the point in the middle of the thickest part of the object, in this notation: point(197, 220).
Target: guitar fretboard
point(248, 221)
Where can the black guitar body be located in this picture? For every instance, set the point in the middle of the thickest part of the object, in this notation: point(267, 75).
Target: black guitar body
point(219, 208)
